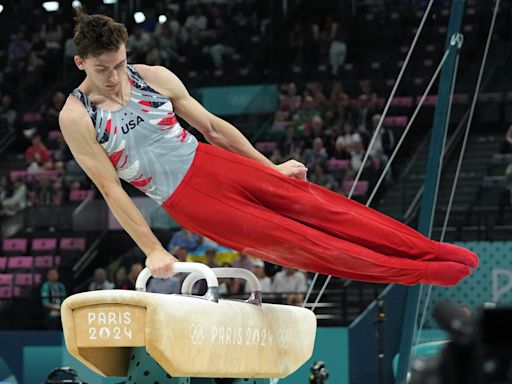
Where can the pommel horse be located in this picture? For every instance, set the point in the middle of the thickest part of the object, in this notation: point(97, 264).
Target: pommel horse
point(156, 338)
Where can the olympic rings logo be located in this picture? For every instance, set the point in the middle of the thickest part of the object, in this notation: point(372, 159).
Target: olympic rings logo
point(197, 332)
point(284, 338)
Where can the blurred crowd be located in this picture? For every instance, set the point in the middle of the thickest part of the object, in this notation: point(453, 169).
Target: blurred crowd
point(279, 284)
point(50, 173)
point(315, 125)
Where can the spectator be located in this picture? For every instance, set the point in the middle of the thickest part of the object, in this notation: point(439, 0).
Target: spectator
point(337, 49)
point(154, 53)
point(53, 293)
point(185, 238)
point(51, 114)
point(222, 44)
point(7, 115)
point(167, 36)
point(37, 156)
point(18, 48)
point(211, 257)
point(43, 192)
point(243, 261)
point(100, 281)
point(181, 253)
point(506, 145)
point(290, 101)
point(357, 155)
point(337, 91)
point(377, 151)
point(172, 285)
point(121, 279)
point(17, 201)
point(4, 188)
point(364, 117)
point(61, 152)
point(138, 44)
point(57, 194)
point(171, 31)
point(259, 271)
point(349, 140)
point(317, 93)
point(135, 270)
point(319, 175)
point(315, 155)
point(290, 143)
point(196, 21)
point(201, 287)
point(281, 122)
point(51, 33)
point(317, 126)
point(292, 284)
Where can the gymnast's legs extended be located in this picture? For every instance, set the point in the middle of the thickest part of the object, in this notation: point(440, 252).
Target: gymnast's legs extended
point(249, 207)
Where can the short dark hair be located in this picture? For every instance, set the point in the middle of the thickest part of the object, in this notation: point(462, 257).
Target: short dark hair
point(97, 34)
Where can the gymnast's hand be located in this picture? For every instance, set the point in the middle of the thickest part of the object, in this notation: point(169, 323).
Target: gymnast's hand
point(293, 168)
point(160, 263)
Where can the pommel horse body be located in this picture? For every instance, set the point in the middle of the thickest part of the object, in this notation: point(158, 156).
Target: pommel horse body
point(156, 338)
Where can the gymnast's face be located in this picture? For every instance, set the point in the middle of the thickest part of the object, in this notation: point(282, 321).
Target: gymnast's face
point(107, 71)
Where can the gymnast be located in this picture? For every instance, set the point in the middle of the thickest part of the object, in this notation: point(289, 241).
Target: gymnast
point(120, 123)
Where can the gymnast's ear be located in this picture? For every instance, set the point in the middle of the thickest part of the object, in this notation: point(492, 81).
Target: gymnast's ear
point(80, 62)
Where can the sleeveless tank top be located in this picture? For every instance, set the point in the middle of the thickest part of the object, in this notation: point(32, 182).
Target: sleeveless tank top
point(143, 139)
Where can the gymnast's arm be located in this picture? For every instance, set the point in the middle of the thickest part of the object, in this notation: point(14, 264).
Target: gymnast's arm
point(217, 131)
point(79, 134)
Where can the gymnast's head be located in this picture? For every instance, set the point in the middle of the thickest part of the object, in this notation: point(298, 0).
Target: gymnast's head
point(100, 43)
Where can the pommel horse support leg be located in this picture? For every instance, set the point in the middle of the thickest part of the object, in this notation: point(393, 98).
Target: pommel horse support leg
point(151, 337)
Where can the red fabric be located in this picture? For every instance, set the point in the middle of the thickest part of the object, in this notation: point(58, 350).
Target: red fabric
point(249, 207)
point(38, 154)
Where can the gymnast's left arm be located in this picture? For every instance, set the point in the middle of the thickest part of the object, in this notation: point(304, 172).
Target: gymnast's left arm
point(217, 131)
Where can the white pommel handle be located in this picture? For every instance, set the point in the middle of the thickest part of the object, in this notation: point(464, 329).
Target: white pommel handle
point(195, 268)
point(226, 272)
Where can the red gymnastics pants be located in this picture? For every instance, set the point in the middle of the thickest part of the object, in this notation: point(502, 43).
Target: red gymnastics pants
point(247, 206)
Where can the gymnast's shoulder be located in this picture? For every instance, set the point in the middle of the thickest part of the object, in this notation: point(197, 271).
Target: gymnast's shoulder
point(73, 114)
point(162, 80)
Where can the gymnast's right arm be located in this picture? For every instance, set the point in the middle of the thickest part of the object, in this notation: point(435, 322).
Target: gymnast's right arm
point(79, 133)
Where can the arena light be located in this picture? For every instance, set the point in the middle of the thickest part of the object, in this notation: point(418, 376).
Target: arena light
point(1, 8)
point(108, 2)
point(76, 4)
point(162, 19)
point(51, 6)
point(139, 17)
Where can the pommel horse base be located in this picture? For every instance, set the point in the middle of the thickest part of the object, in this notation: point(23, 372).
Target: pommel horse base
point(155, 338)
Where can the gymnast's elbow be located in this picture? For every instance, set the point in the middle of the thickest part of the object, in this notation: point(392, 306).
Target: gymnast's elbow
point(109, 189)
point(213, 134)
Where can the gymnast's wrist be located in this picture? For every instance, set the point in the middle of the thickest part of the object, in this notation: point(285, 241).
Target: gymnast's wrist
point(154, 249)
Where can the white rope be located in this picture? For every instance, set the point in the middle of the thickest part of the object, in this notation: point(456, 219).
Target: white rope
point(379, 126)
point(313, 282)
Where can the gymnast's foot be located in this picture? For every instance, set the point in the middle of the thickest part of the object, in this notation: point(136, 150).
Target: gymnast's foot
point(450, 252)
point(445, 273)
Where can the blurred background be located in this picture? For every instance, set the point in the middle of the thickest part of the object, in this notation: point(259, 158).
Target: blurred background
point(301, 79)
